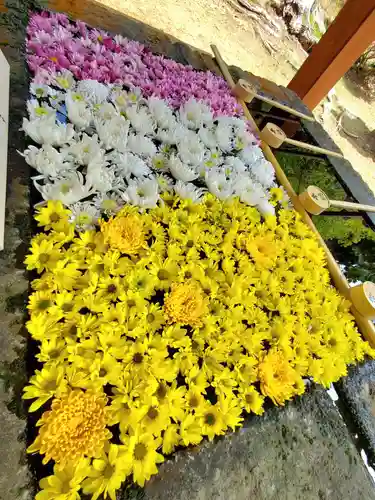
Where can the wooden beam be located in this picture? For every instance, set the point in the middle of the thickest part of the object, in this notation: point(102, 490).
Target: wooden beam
point(346, 39)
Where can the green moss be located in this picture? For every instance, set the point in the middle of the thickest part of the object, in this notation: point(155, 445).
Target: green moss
point(16, 303)
point(14, 378)
point(303, 172)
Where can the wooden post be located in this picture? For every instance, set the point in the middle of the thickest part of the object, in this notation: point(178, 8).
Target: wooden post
point(346, 39)
point(4, 122)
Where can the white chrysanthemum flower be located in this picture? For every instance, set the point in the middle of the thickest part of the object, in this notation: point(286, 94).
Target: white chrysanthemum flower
point(250, 192)
point(165, 183)
point(188, 191)
point(47, 160)
point(69, 189)
point(99, 176)
point(194, 114)
point(224, 137)
point(141, 120)
point(78, 112)
point(122, 99)
point(265, 207)
point(84, 215)
point(208, 137)
point(143, 193)
point(251, 154)
point(218, 184)
point(86, 149)
point(113, 133)
point(233, 122)
point(243, 139)
point(129, 164)
point(162, 113)
point(263, 172)
point(95, 92)
point(212, 158)
point(235, 164)
point(47, 131)
point(105, 111)
point(173, 135)
point(109, 204)
point(40, 89)
point(180, 171)
point(56, 99)
point(39, 111)
point(191, 150)
point(159, 162)
point(141, 145)
point(64, 80)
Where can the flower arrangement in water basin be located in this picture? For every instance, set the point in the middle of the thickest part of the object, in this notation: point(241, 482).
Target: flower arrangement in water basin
point(166, 327)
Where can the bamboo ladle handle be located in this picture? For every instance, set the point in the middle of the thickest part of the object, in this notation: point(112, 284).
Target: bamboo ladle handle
point(247, 92)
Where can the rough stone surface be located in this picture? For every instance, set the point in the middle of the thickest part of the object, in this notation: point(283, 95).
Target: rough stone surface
point(357, 392)
point(303, 451)
point(15, 479)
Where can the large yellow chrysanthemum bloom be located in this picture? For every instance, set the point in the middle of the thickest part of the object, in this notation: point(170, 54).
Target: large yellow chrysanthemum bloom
point(185, 304)
point(124, 233)
point(278, 379)
point(75, 427)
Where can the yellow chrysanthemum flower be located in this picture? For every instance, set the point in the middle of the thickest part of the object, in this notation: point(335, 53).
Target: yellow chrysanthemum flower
point(278, 379)
point(252, 401)
point(106, 474)
point(74, 428)
point(53, 216)
point(185, 304)
point(264, 249)
point(64, 484)
point(44, 385)
point(124, 233)
point(171, 439)
point(40, 302)
point(212, 421)
point(44, 255)
point(142, 456)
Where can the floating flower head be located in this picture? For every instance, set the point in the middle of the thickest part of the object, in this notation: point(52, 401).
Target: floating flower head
point(74, 428)
point(186, 304)
point(278, 379)
point(124, 232)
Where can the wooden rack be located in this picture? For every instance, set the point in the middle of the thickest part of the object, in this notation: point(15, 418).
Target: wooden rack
point(365, 326)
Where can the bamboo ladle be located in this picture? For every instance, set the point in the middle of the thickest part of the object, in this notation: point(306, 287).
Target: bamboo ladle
point(315, 201)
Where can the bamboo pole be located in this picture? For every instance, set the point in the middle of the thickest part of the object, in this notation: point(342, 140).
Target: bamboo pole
point(366, 327)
